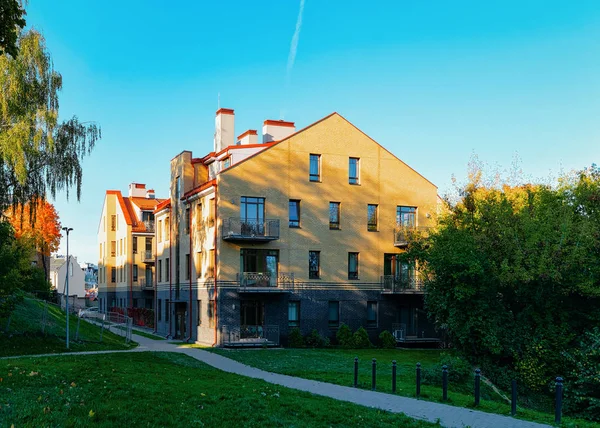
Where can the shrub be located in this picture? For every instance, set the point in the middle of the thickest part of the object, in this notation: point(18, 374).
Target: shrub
point(295, 339)
point(388, 341)
point(314, 339)
point(361, 339)
point(459, 371)
point(344, 337)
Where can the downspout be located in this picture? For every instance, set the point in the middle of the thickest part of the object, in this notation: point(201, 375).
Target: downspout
point(216, 315)
point(190, 267)
point(131, 278)
point(155, 246)
point(170, 273)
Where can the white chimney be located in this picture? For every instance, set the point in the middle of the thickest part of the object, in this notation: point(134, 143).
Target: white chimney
point(137, 190)
point(276, 130)
point(248, 137)
point(224, 132)
point(150, 194)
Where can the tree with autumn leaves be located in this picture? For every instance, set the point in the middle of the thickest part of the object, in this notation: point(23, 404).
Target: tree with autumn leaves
point(39, 227)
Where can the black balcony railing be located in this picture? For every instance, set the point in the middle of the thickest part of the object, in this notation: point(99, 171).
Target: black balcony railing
point(250, 335)
point(402, 234)
point(148, 256)
point(251, 281)
point(149, 224)
point(235, 229)
point(401, 284)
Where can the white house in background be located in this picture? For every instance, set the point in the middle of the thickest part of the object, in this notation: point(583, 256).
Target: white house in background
point(58, 271)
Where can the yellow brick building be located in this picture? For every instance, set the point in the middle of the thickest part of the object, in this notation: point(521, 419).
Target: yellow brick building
point(301, 229)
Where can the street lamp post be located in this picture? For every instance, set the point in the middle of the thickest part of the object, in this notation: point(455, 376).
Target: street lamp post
point(67, 229)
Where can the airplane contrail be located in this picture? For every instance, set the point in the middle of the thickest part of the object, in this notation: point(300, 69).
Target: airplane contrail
point(293, 50)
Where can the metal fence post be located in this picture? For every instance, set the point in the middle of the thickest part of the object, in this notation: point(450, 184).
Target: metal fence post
point(558, 408)
point(513, 398)
point(444, 382)
point(374, 380)
point(355, 372)
point(418, 379)
point(394, 376)
point(102, 328)
point(77, 331)
point(477, 386)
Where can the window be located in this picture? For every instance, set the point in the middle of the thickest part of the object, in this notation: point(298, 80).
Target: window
point(406, 216)
point(334, 314)
point(177, 188)
point(314, 264)
point(135, 273)
point(113, 222)
point(372, 214)
point(166, 310)
point(199, 304)
point(113, 248)
point(159, 309)
point(211, 212)
point(211, 313)
point(167, 229)
point(148, 247)
point(187, 221)
point(159, 278)
point(252, 209)
point(315, 167)
point(227, 162)
point(294, 208)
point(352, 265)
point(188, 266)
point(294, 314)
point(100, 251)
point(199, 264)
point(159, 230)
point(211, 264)
point(198, 216)
point(134, 244)
point(371, 314)
point(167, 269)
point(334, 215)
point(353, 171)
point(113, 274)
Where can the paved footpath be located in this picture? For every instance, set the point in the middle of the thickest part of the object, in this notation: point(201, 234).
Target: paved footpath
point(448, 416)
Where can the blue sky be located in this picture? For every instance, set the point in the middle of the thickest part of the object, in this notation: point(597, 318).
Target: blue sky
point(433, 81)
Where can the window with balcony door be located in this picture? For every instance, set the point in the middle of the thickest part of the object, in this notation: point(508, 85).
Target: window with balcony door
point(406, 216)
point(252, 215)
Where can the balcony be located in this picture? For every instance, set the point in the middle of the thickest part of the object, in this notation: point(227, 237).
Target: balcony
point(392, 284)
point(246, 336)
point(402, 234)
point(149, 224)
point(147, 256)
point(235, 229)
point(264, 282)
point(146, 283)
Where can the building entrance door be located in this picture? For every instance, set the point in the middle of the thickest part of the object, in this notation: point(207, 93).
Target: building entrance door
point(252, 319)
point(180, 319)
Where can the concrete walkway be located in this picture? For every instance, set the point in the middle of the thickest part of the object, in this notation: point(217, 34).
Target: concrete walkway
point(448, 416)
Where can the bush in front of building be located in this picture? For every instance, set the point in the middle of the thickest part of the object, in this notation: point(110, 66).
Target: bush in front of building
point(459, 371)
point(387, 339)
point(315, 340)
point(295, 339)
point(361, 339)
point(344, 337)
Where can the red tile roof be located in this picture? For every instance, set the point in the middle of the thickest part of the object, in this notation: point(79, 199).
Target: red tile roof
point(199, 189)
point(164, 204)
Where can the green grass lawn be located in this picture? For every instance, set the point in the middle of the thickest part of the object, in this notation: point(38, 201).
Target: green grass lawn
point(25, 335)
point(336, 366)
point(163, 389)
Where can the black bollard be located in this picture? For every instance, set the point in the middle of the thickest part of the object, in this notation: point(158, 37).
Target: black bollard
point(374, 380)
point(513, 399)
point(355, 372)
point(394, 376)
point(558, 408)
point(444, 382)
point(477, 386)
point(418, 379)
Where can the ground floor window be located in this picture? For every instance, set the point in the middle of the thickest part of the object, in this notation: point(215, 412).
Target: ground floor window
point(210, 310)
point(159, 309)
point(199, 312)
point(294, 314)
point(167, 309)
point(334, 313)
point(372, 314)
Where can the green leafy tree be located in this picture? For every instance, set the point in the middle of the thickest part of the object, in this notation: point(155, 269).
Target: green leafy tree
point(344, 336)
point(14, 267)
point(38, 154)
point(11, 22)
point(513, 272)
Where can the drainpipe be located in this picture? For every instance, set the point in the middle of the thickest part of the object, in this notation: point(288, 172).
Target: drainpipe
point(190, 266)
point(155, 245)
point(216, 315)
point(131, 279)
point(170, 273)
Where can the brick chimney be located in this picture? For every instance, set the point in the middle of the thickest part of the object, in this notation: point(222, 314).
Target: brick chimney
point(150, 194)
point(275, 130)
point(248, 137)
point(224, 129)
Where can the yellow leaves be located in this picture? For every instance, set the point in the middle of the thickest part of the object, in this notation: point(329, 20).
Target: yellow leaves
point(91, 414)
point(33, 374)
point(46, 410)
point(203, 394)
point(39, 398)
point(73, 384)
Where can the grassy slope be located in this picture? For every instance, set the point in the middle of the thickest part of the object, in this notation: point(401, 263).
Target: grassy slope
point(336, 366)
point(170, 390)
point(25, 336)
